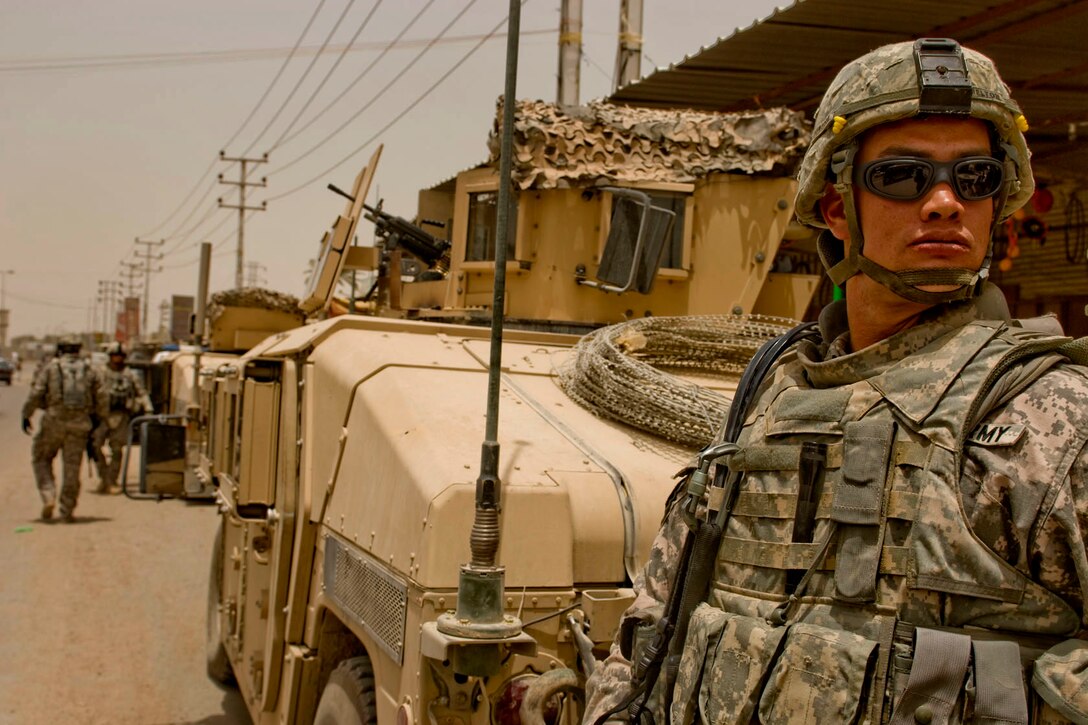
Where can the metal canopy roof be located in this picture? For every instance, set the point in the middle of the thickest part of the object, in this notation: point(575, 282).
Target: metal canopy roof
point(1040, 47)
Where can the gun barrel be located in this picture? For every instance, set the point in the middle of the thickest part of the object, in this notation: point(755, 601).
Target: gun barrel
point(398, 231)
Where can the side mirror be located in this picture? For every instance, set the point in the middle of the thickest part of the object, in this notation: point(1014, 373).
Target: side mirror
point(636, 240)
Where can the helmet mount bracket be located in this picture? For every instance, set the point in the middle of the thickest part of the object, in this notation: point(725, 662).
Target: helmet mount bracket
point(943, 85)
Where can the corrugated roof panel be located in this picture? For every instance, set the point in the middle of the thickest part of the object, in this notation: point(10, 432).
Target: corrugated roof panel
point(791, 56)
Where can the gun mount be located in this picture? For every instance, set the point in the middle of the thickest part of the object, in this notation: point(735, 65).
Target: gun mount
point(398, 233)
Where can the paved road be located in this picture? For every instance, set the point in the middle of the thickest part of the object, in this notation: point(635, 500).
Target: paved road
point(102, 620)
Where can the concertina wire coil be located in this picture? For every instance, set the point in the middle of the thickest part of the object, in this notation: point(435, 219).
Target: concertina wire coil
point(622, 371)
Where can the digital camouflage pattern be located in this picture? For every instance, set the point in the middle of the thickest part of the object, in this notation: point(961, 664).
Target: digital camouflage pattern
point(881, 87)
point(127, 398)
point(64, 425)
point(943, 521)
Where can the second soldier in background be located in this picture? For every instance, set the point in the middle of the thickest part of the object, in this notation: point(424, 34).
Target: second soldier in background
point(127, 398)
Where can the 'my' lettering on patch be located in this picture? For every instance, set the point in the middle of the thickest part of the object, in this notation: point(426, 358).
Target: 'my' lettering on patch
point(996, 435)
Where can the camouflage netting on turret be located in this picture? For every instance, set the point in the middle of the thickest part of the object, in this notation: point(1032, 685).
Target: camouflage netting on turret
point(619, 371)
point(556, 147)
point(257, 297)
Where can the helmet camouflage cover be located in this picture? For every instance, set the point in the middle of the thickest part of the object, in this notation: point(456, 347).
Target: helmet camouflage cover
point(69, 344)
point(895, 82)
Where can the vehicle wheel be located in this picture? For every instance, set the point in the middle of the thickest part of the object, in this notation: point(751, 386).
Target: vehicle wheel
point(218, 663)
point(348, 697)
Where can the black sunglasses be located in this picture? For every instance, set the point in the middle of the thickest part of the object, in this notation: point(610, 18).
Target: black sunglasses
point(906, 178)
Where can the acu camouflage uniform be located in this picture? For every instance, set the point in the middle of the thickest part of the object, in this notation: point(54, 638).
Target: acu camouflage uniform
point(907, 543)
point(69, 390)
point(126, 395)
point(949, 469)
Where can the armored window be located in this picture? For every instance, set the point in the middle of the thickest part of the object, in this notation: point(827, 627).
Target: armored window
point(483, 208)
point(676, 247)
point(672, 256)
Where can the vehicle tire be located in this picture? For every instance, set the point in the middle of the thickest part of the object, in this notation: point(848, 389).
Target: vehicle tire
point(218, 663)
point(348, 697)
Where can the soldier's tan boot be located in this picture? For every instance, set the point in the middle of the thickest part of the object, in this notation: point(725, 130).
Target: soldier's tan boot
point(47, 509)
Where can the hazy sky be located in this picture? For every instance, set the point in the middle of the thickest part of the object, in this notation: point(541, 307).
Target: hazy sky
point(112, 112)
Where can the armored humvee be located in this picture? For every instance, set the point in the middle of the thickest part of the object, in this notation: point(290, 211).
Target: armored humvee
point(343, 452)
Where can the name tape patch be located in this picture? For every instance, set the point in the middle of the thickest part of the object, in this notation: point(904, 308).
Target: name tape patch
point(996, 435)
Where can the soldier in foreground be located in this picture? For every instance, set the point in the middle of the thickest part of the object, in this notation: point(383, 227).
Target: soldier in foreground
point(127, 397)
point(69, 391)
point(899, 533)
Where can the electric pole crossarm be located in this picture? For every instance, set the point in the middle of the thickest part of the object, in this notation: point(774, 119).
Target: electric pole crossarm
point(262, 207)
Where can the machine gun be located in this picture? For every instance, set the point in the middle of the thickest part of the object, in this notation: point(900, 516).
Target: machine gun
point(399, 233)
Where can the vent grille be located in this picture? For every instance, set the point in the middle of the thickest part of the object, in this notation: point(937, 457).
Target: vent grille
point(374, 598)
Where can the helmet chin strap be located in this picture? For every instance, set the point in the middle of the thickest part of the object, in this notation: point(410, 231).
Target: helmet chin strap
point(905, 283)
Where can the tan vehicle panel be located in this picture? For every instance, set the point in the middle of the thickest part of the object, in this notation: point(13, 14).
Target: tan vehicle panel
point(403, 385)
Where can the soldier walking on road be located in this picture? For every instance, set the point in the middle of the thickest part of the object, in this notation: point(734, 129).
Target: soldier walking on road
point(69, 390)
point(127, 398)
point(898, 532)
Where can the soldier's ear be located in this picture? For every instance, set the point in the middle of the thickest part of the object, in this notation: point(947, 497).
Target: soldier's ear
point(834, 213)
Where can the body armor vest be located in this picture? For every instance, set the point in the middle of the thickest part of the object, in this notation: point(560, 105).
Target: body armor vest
point(72, 384)
point(121, 390)
point(848, 585)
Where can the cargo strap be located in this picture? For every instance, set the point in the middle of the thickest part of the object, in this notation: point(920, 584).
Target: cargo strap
point(936, 677)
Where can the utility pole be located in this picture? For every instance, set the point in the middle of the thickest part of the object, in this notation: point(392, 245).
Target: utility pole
point(131, 270)
point(147, 256)
point(108, 293)
point(100, 298)
point(4, 309)
point(164, 319)
point(253, 274)
point(570, 52)
point(242, 183)
point(629, 52)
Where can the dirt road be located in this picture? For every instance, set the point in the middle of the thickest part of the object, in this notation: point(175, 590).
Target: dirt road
point(102, 620)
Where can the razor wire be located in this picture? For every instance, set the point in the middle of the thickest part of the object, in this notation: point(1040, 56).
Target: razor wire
point(622, 371)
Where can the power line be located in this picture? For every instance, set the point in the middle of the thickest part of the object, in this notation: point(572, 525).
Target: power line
point(359, 77)
point(223, 240)
point(180, 243)
point(180, 225)
point(401, 115)
point(328, 137)
point(153, 60)
point(184, 201)
point(275, 78)
point(180, 239)
point(302, 78)
point(328, 74)
point(244, 123)
point(46, 303)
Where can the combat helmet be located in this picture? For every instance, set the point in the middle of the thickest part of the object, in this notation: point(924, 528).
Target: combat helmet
point(895, 82)
point(69, 345)
point(116, 348)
